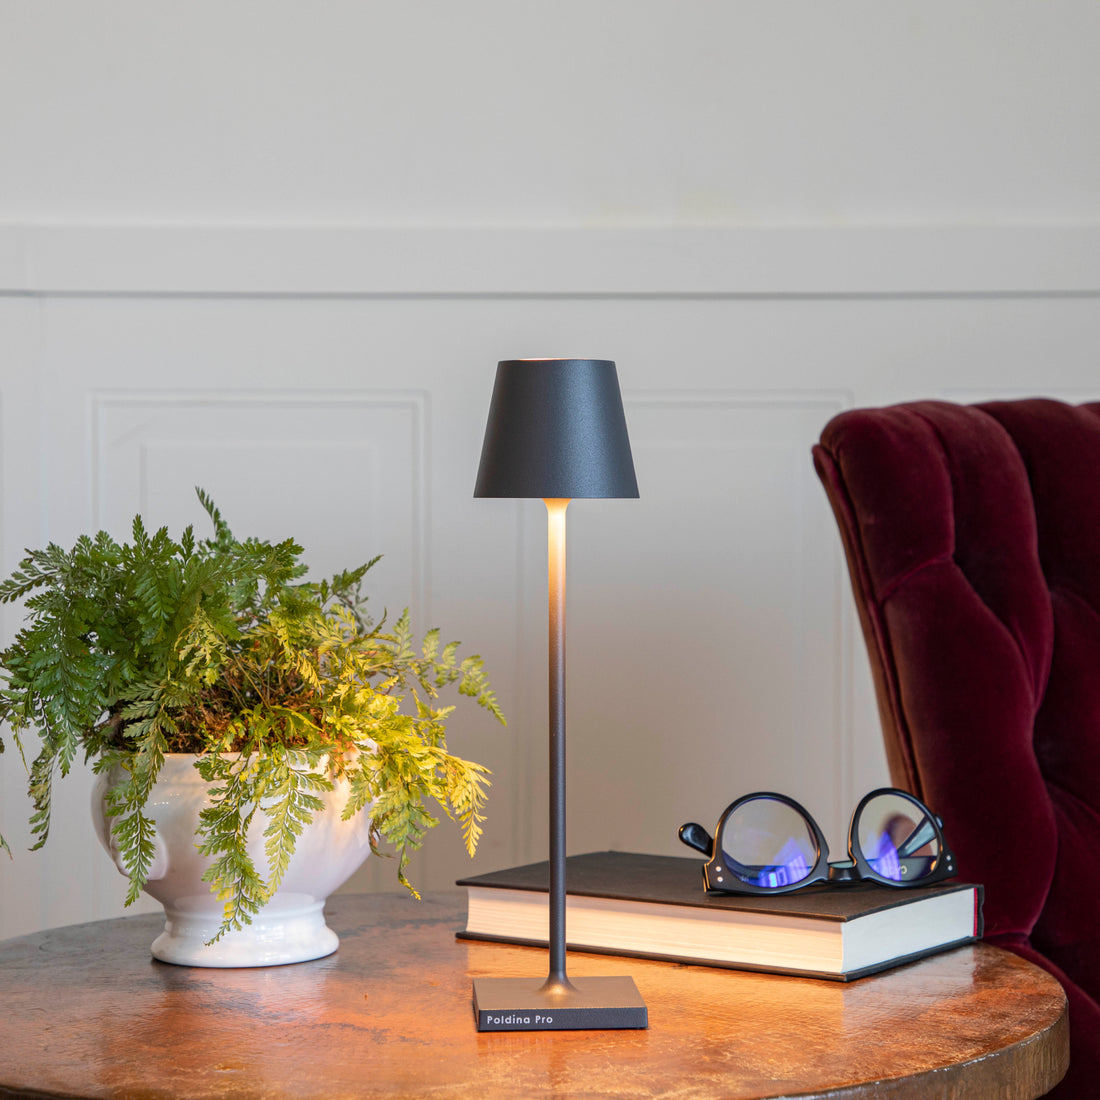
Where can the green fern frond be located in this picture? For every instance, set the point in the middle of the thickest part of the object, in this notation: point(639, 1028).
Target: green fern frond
point(468, 783)
point(40, 789)
point(474, 683)
point(223, 835)
point(289, 809)
point(222, 534)
point(135, 835)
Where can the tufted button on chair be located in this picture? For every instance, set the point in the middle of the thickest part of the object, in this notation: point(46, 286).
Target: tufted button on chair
point(972, 535)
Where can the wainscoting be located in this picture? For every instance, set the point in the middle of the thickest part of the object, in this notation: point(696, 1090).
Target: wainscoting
point(332, 384)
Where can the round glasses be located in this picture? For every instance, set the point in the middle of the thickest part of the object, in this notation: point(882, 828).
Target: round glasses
point(767, 843)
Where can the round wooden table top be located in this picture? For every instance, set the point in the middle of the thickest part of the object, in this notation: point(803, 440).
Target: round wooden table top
point(87, 1012)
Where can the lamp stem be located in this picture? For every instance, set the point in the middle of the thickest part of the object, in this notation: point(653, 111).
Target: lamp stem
point(555, 520)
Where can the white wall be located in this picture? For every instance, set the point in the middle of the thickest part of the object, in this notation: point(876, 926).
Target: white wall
point(276, 249)
point(581, 112)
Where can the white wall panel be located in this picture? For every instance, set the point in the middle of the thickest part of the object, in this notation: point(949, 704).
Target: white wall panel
point(264, 457)
point(25, 879)
point(712, 644)
point(666, 669)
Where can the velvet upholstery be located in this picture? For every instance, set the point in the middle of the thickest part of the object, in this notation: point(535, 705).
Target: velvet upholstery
point(972, 535)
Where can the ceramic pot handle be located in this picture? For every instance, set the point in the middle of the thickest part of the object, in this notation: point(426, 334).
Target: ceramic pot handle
point(157, 869)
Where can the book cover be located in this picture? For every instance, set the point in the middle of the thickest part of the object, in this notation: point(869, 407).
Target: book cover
point(654, 906)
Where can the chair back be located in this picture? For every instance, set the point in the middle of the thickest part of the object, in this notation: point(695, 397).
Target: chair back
point(972, 535)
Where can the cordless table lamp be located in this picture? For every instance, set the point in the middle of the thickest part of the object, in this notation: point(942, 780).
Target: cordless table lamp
point(556, 431)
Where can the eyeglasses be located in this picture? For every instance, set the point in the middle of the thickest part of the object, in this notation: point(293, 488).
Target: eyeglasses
point(768, 844)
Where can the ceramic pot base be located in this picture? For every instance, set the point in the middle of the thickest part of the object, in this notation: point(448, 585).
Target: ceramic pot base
point(291, 927)
point(272, 939)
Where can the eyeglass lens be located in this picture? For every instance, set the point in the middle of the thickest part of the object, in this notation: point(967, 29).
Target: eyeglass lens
point(767, 843)
point(897, 838)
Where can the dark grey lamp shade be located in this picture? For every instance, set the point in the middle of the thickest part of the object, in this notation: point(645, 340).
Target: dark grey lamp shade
point(556, 429)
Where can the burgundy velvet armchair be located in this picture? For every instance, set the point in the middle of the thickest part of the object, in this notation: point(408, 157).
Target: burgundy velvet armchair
point(972, 535)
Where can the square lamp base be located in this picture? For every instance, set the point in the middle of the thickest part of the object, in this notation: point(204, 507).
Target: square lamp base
point(526, 1004)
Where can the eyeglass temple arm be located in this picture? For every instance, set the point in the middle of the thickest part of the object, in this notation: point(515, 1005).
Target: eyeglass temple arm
point(919, 837)
point(695, 836)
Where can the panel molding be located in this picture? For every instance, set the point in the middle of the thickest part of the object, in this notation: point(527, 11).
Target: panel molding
point(414, 402)
point(869, 260)
point(729, 396)
point(826, 402)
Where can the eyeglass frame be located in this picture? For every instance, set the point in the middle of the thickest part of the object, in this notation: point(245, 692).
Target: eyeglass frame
point(857, 869)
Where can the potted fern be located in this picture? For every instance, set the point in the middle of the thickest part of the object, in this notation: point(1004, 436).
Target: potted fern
point(266, 718)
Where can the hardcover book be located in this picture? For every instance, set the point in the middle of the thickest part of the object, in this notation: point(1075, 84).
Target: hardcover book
point(623, 903)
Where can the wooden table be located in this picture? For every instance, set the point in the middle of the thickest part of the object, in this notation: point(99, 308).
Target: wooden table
point(87, 1012)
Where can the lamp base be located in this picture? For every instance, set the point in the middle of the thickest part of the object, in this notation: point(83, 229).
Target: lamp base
point(537, 1004)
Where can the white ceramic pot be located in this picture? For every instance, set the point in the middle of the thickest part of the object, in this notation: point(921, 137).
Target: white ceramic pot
point(291, 927)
